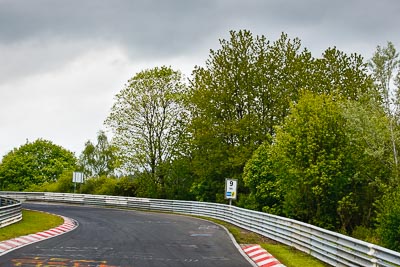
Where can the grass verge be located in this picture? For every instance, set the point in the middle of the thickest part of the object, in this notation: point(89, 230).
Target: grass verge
point(32, 222)
point(285, 254)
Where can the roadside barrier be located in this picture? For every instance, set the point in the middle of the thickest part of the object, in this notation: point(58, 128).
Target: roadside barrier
point(330, 247)
point(10, 211)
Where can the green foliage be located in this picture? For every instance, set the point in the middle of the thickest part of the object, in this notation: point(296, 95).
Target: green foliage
point(64, 184)
point(388, 227)
point(103, 185)
point(327, 164)
point(266, 190)
point(372, 165)
point(312, 143)
point(236, 100)
point(34, 164)
point(147, 186)
point(367, 234)
point(100, 159)
point(179, 179)
point(339, 74)
point(346, 207)
point(245, 91)
point(98, 186)
point(385, 68)
point(125, 186)
point(148, 121)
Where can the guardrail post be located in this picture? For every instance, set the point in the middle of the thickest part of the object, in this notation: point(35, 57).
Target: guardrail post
point(371, 252)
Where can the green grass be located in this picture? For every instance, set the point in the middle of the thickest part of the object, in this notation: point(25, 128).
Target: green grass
point(32, 222)
point(291, 257)
point(285, 254)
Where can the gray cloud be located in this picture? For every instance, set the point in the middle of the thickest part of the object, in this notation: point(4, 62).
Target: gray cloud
point(159, 29)
point(41, 35)
point(156, 26)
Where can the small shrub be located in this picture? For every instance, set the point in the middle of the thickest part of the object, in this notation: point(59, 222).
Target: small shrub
point(388, 220)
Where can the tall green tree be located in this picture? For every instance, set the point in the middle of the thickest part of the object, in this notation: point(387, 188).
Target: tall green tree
point(236, 99)
point(371, 154)
point(312, 143)
point(34, 164)
point(99, 159)
point(385, 68)
point(148, 119)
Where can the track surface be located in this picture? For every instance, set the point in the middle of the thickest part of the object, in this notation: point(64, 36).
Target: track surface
point(110, 237)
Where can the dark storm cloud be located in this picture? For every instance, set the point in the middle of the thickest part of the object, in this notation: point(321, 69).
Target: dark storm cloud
point(156, 29)
point(36, 36)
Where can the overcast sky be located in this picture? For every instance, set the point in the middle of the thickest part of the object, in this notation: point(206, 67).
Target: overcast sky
point(62, 62)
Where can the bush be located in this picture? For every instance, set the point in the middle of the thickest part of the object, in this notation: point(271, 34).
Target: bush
point(99, 186)
point(64, 184)
point(388, 220)
point(103, 185)
point(366, 234)
point(125, 186)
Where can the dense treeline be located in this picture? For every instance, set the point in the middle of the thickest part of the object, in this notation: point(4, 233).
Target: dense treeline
point(245, 92)
point(314, 139)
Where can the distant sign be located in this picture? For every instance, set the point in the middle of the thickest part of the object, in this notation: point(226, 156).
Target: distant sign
point(77, 177)
point(230, 188)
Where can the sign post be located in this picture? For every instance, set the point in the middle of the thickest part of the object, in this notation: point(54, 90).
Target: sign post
point(77, 177)
point(230, 189)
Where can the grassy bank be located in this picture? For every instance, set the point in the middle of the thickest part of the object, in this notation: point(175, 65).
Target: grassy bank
point(285, 254)
point(32, 222)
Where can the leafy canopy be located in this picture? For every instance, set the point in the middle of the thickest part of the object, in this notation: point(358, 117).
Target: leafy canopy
point(148, 120)
point(99, 159)
point(245, 91)
point(34, 164)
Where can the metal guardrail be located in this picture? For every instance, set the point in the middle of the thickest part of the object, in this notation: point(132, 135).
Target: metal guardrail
point(330, 247)
point(10, 211)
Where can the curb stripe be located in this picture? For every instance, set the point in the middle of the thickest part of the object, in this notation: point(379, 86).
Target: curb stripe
point(256, 252)
point(34, 237)
point(43, 235)
point(15, 243)
point(260, 256)
point(251, 248)
point(27, 239)
point(4, 247)
point(267, 263)
point(12, 243)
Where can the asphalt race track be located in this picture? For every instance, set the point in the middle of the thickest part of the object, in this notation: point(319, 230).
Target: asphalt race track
point(126, 238)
